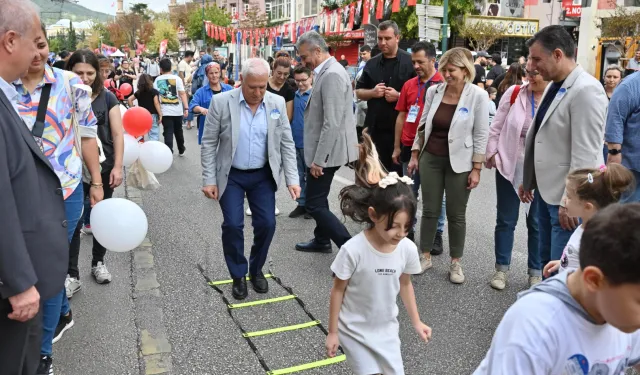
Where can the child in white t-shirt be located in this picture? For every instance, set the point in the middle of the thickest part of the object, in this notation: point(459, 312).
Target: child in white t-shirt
point(588, 191)
point(371, 270)
point(582, 321)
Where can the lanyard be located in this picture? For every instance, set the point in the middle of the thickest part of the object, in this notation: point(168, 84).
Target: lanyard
point(533, 106)
point(420, 88)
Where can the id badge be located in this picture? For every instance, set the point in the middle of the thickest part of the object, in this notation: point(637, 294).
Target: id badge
point(413, 113)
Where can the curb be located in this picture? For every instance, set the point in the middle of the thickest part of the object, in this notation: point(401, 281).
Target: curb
point(153, 343)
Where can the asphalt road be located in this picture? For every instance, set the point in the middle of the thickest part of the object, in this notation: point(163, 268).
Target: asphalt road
point(184, 228)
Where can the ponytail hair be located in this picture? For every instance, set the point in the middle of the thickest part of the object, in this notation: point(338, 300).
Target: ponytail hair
point(387, 193)
point(601, 186)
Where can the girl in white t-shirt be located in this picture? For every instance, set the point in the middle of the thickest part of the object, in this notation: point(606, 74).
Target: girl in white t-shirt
point(588, 191)
point(374, 267)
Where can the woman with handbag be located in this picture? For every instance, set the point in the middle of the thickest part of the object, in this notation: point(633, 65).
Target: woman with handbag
point(449, 150)
point(505, 152)
point(58, 113)
point(106, 108)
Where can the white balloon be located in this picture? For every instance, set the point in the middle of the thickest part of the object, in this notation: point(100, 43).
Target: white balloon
point(123, 109)
point(155, 156)
point(131, 150)
point(119, 224)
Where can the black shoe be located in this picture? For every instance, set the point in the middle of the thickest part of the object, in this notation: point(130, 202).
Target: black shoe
point(436, 249)
point(46, 365)
point(412, 236)
point(260, 284)
point(314, 247)
point(239, 290)
point(307, 216)
point(64, 324)
point(181, 153)
point(299, 211)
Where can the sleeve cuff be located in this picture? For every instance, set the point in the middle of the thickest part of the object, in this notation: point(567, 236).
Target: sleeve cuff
point(478, 158)
point(88, 131)
point(209, 181)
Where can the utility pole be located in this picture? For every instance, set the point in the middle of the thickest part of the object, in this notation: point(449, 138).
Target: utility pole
point(445, 26)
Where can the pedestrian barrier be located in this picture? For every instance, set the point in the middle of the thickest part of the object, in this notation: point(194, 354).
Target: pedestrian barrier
point(248, 335)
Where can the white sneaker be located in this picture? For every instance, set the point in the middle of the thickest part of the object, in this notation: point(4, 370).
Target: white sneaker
point(101, 273)
point(425, 263)
point(72, 286)
point(499, 280)
point(533, 280)
point(86, 229)
point(248, 211)
point(455, 273)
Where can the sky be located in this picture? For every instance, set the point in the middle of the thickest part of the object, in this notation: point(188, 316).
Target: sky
point(105, 5)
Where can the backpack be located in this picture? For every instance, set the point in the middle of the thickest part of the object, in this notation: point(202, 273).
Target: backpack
point(514, 94)
point(196, 83)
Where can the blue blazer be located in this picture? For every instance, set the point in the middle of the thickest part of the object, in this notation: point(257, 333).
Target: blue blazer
point(202, 98)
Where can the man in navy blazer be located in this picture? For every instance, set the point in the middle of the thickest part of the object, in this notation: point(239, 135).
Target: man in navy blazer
point(33, 237)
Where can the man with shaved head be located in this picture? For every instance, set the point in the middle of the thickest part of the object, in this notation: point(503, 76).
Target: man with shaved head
point(33, 240)
point(247, 144)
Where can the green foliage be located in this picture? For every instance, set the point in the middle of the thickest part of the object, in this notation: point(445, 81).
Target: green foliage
point(623, 26)
point(142, 10)
point(213, 14)
point(163, 30)
point(72, 38)
point(457, 10)
point(407, 22)
point(56, 44)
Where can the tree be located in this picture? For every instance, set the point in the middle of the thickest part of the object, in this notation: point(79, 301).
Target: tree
point(55, 45)
point(142, 10)
point(334, 41)
point(623, 26)
point(457, 10)
point(254, 18)
point(117, 34)
point(407, 21)
point(163, 30)
point(72, 38)
point(481, 35)
point(195, 22)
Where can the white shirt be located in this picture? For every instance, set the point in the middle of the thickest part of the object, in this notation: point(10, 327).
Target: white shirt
point(319, 67)
point(170, 86)
point(10, 92)
point(571, 254)
point(186, 68)
point(546, 332)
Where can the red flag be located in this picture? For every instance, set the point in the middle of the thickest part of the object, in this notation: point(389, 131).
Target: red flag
point(352, 14)
point(257, 39)
point(286, 29)
point(294, 34)
point(395, 7)
point(327, 23)
point(233, 36)
point(215, 33)
point(380, 10)
point(365, 12)
point(411, 3)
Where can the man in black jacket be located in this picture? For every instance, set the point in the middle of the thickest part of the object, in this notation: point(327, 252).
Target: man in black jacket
point(380, 85)
point(33, 239)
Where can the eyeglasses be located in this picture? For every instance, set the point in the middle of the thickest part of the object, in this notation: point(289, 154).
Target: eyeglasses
point(302, 80)
point(531, 74)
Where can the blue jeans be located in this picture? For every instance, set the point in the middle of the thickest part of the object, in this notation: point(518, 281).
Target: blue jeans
point(302, 175)
point(553, 238)
point(416, 191)
point(260, 189)
point(508, 208)
point(154, 133)
point(59, 304)
point(633, 195)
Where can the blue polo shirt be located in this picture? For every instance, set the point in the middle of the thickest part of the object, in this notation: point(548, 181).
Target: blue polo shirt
point(297, 124)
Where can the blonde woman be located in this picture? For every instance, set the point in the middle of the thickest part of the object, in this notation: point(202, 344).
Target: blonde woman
point(449, 150)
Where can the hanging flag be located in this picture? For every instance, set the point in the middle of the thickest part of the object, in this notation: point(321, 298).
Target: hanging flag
point(411, 3)
point(338, 17)
point(380, 10)
point(233, 37)
point(294, 32)
point(327, 23)
point(163, 47)
point(352, 14)
point(372, 11)
point(215, 32)
point(395, 8)
point(365, 12)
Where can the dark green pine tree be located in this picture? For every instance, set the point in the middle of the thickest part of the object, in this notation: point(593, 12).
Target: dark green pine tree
point(72, 38)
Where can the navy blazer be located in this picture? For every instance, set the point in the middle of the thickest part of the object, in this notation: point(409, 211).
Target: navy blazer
point(34, 248)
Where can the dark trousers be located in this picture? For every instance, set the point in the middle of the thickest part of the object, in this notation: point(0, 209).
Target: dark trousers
point(98, 250)
point(19, 342)
point(384, 144)
point(260, 189)
point(328, 226)
point(173, 125)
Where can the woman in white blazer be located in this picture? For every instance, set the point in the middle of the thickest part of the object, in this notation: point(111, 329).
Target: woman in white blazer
point(449, 150)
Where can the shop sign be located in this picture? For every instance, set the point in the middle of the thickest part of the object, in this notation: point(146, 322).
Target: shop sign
point(355, 34)
point(573, 8)
point(511, 27)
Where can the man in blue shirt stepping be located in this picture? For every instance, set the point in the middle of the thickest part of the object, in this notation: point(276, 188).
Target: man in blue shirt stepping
point(303, 78)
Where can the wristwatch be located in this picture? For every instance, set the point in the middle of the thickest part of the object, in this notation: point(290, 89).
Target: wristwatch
point(614, 151)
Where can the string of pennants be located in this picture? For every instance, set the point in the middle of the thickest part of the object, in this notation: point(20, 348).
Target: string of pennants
point(347, 18)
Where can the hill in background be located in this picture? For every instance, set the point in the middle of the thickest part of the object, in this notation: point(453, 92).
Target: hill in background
point(53, 11)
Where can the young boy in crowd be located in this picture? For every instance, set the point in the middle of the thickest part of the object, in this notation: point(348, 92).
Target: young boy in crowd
point(583, 321)
point(493, 92)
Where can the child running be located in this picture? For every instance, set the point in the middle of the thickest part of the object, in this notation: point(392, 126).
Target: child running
point(588, 191)
point(372, 268)
point(582, 321)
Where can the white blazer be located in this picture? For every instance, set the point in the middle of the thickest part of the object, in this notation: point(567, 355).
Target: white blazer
point(469, 129)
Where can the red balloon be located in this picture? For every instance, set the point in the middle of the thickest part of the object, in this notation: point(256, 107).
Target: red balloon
point(137, 121)
point(108, 84)
point(126, 89)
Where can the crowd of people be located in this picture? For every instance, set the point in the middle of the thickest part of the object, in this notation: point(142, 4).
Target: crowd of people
point(564, 145)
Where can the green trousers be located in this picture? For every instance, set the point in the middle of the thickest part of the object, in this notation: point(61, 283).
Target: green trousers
point(436, 178)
